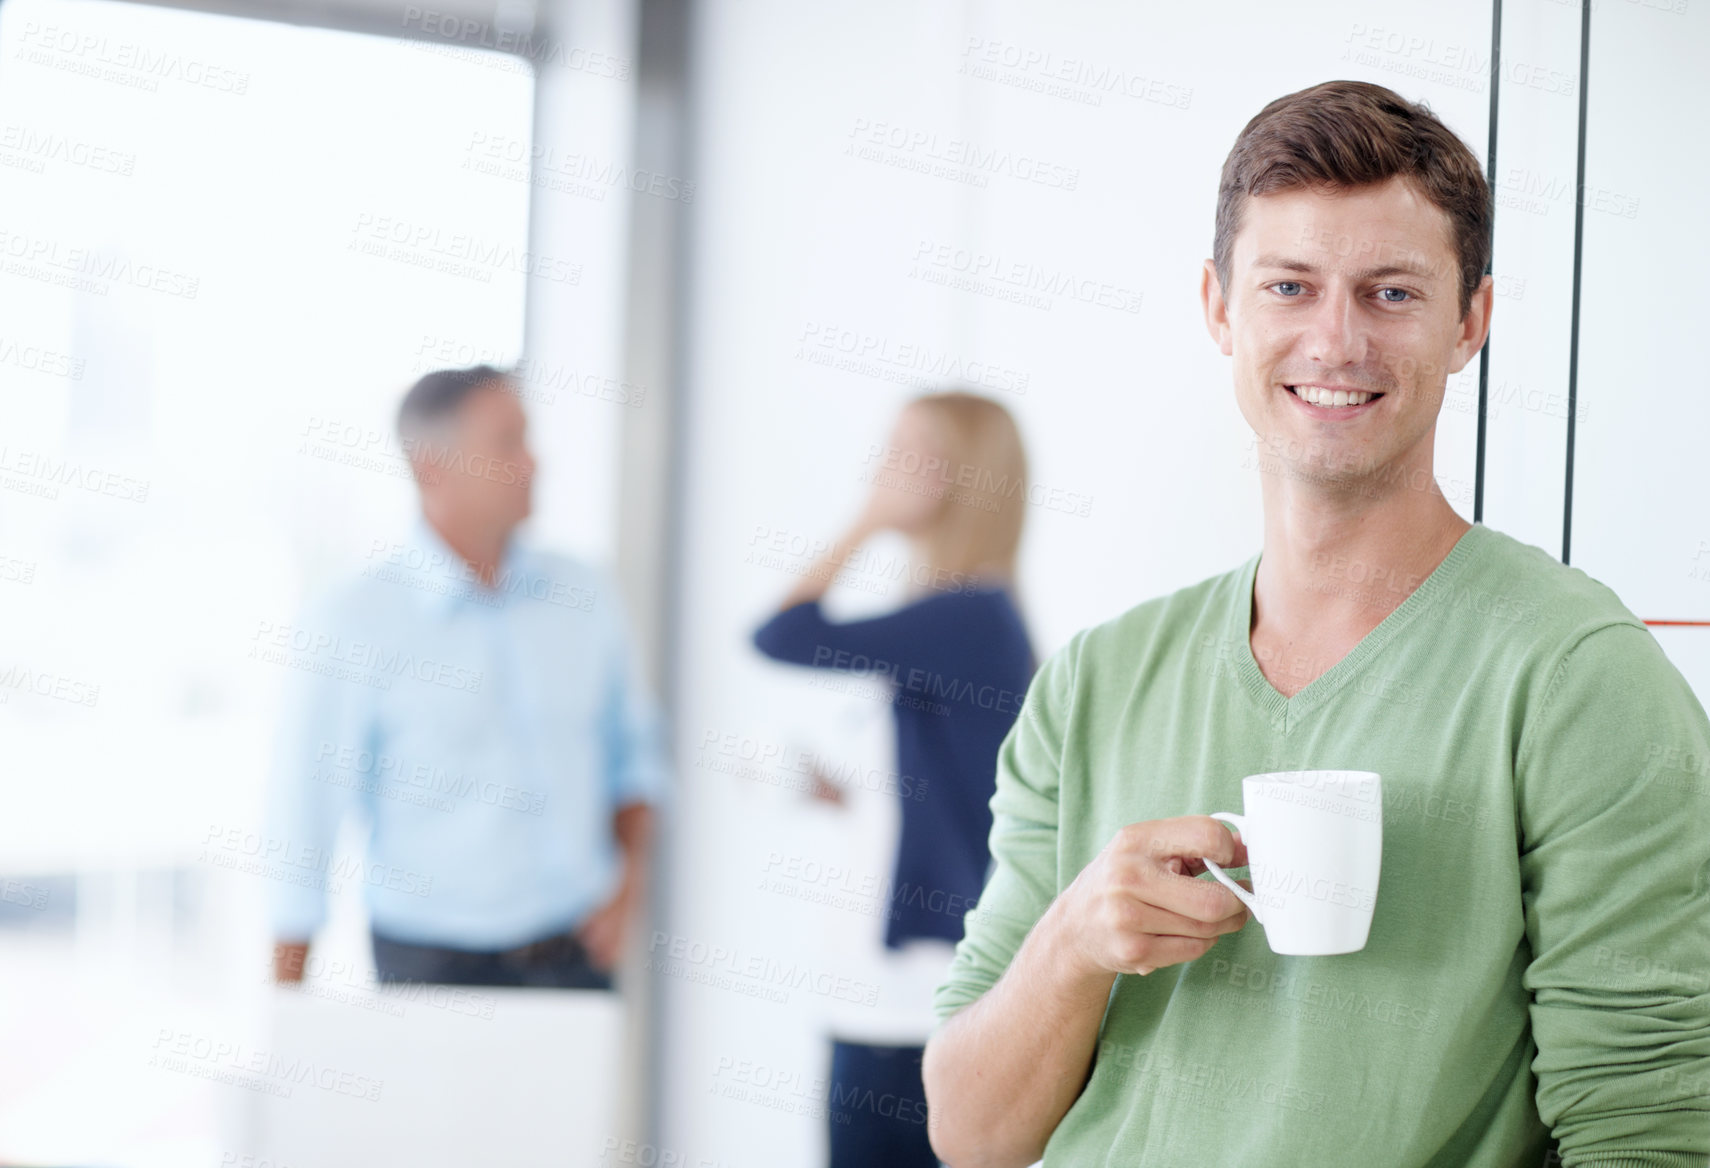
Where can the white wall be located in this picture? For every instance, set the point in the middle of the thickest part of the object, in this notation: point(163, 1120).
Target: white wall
point(1641, 496)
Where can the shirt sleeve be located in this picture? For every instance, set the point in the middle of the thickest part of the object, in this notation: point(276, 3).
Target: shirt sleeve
point(636, 767)
point(324, 751)
point(891, 645)
point(1024, 873)
point(1613, 796)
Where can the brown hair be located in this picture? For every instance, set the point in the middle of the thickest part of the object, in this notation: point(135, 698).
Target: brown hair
point(980, 532)
point(1352, 134)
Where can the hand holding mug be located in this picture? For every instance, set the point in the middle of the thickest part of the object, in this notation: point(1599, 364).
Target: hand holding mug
point(1138, 907)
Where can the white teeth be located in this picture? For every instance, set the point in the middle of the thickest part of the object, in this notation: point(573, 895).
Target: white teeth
point(1331, 397)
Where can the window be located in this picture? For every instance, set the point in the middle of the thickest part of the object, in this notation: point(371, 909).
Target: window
point(228, 248)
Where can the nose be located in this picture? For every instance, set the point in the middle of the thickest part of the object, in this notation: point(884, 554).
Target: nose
point(1335, 335)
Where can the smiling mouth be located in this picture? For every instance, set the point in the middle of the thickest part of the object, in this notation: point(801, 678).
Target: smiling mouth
point(1332, 399)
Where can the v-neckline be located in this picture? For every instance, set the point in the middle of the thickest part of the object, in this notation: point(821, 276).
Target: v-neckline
point(1285, 712)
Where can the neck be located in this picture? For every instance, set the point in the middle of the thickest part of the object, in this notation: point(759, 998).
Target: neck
point(482, 548)
point(1336, 558)
point(930, 577)
point(923, 573)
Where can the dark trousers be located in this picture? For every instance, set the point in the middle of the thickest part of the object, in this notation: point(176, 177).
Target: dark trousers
point(559, 962)
point(878, 1107)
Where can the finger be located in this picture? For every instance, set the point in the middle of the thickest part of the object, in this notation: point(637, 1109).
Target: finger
point(1240, 859)
point(1196, 866)
point(1159, 921)
point(1206, 901)
point(1232, 919)
point(1188, 837)
point(1235, 921)
point(1167, 951)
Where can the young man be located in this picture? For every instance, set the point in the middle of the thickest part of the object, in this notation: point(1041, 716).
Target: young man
point(1538, 965)
point(488, 721)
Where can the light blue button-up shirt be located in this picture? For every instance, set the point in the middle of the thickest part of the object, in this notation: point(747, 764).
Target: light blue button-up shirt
point(486, 735)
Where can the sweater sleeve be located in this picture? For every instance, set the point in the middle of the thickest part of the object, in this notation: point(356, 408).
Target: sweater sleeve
point(1023, 879)
point(890, 645)
point(1613, 796)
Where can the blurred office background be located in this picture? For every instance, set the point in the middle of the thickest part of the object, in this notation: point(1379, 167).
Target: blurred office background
point(725, 241)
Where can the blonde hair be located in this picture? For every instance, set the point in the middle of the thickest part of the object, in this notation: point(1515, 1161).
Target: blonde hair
point(978, 530)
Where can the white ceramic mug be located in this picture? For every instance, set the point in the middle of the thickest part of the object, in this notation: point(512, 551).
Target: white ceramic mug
point(1314, 847)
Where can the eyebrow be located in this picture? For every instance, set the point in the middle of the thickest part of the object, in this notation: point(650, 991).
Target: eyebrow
point(1290, 264)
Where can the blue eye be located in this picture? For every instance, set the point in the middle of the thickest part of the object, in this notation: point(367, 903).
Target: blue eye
point(1286, 284)
point(1403, 291)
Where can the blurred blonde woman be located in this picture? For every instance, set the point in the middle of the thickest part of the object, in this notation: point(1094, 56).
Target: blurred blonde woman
point(957, 659)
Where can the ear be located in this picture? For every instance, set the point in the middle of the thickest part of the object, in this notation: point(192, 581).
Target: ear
point(1216, 311)
point(1475, 325)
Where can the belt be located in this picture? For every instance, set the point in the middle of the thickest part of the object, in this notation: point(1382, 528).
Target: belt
point(544, 949)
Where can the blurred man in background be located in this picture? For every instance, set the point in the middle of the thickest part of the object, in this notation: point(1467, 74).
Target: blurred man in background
point(483, 711)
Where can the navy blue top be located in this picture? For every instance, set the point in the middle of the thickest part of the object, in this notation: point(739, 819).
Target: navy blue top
point(958, 664)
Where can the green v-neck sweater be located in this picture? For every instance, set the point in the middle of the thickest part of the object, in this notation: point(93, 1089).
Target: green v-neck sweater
point(1538, 967)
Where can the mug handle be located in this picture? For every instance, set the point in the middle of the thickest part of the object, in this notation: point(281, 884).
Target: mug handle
point(1247, 898)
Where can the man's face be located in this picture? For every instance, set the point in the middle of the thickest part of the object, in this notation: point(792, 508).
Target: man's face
point(1350, 297)
point(487, 473)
